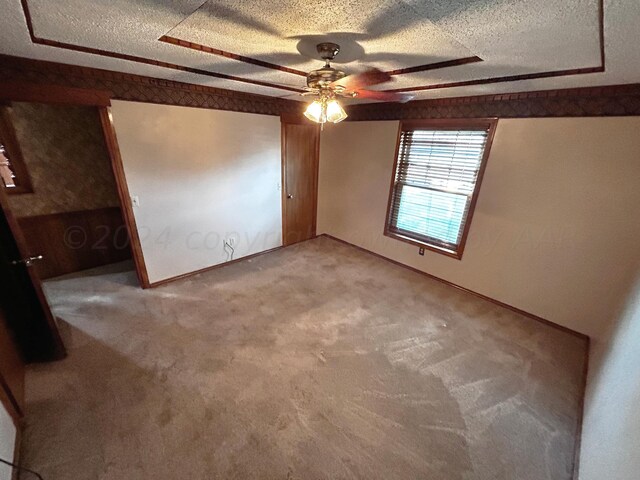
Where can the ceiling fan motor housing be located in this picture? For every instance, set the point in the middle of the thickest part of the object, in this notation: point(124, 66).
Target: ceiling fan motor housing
point(322, 77)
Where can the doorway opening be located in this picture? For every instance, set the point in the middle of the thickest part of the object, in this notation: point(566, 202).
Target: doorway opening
point(57, 173)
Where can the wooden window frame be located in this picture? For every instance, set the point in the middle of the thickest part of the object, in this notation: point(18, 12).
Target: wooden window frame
point(10, 141)
point(454, 124)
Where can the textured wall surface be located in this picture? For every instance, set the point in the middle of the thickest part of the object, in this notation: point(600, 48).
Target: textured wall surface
point(201, 176)
point(552, 234)
point(611, 427)
point(65, 154)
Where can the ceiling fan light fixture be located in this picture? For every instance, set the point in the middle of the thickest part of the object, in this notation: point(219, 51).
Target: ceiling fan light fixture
point(328, 84)
point(325, 110)
point(316, 112)
point(335, 112)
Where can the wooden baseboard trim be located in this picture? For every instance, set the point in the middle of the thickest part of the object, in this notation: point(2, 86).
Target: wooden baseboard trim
point(212, 267)
point(220, 265)
point(578, 434)
point(16, 450)
point(479, 295)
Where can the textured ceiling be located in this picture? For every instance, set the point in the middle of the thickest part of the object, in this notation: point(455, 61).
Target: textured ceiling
point(523, 38)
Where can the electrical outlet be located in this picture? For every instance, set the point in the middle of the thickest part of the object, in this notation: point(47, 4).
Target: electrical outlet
point(421, 251)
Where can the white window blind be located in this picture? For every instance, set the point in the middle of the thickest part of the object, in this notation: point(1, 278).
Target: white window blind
point(435, 179)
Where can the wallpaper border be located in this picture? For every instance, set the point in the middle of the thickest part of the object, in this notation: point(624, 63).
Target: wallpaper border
point(126, 86)
point(604, 101)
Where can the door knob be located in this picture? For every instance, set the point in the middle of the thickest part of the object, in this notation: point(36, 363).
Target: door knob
point(289, 196)
point(27, 261)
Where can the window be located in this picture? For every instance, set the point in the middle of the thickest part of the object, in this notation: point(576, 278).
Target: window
point(6, 172)
point(13, 171)
point(437, 174)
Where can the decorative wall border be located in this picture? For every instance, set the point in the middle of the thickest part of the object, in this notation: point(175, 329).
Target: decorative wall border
point(617, 100)
point(126, 86)
point(605, 101)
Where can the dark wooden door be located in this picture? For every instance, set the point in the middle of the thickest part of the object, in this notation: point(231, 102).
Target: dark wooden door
point(300, 147)
point(25, 308)
point(11, 371)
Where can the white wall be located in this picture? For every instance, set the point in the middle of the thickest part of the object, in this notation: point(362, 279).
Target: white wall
point(201, 175)
point(611, 426)
point(7, 441)
point(555, 229)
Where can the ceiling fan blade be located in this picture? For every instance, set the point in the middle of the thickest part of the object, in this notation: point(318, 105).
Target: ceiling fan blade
point(357, 81)
point(299, 95)
point(384, 96)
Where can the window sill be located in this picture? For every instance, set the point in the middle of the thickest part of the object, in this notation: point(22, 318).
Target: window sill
point(427, 246)
point(17, 190)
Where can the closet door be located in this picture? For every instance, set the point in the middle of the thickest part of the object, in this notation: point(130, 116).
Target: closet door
point(300, 154)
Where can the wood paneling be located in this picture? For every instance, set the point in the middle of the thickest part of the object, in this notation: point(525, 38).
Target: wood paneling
point(300, 158)
point(25, 92)
point(74, 241)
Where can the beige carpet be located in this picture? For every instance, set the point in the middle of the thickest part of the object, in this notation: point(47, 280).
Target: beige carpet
point(317, 361)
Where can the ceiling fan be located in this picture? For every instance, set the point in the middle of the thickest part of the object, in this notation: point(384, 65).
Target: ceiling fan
point(328, 83)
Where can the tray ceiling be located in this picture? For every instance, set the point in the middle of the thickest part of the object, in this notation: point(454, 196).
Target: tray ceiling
point(434, 48)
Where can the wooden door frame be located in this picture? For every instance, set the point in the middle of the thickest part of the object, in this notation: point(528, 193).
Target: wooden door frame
point(297, 119)
point(10, 401)
point(12, 364)
point(54, 94)
point(106, 119)
point(16, 418)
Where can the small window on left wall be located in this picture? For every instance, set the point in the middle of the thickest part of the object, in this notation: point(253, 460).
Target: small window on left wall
point(13, 170)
